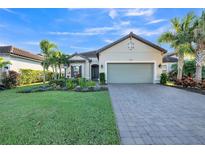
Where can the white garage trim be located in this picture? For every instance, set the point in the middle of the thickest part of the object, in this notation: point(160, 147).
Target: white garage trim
point(130, 62)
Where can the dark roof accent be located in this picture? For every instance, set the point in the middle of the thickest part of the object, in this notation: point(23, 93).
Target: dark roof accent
point(131, 34)
point(169, 59)
point(76, 61)
point(19, 52)
point(81, 55)
point(89, 54)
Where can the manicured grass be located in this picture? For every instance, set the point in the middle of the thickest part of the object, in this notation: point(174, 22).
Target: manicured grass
point(56, 117)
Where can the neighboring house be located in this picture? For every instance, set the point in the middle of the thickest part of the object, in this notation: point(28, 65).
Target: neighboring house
point(168, 61)
point(131, 59)
point(20, 59)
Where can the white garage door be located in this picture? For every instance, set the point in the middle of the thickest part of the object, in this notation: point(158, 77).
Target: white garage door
point(130, 72)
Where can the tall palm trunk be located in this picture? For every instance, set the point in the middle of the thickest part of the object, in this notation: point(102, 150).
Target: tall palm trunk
point(198, 74)
point(53, 72)
point(56, 74)
point(200, 57)
point(44, 74)
point(180, 66)
point(59, 67)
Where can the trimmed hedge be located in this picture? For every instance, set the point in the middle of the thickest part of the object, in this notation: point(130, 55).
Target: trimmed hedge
point(28, 76)
point(102, 78)
point(163, 78)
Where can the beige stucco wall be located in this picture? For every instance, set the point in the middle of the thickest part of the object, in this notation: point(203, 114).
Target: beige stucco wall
point(167, 67)
point(22, 63)
point(85, 66)
point(141, 53)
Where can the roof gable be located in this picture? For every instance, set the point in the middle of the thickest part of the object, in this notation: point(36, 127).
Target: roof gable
point(133, 36)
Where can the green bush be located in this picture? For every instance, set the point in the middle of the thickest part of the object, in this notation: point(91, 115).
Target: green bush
point(189, 68)
point(82, 82)
point(59, 82)
point(90, 83)
point(11, 80)
point(71, 84)
point(102, 78)
point(163, 78)
point(28, 76)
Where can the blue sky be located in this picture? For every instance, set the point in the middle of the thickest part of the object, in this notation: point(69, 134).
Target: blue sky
point(79, 30)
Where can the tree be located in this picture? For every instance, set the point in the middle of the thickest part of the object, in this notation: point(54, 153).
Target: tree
point(179, 38)
point(55, 62)
point(46, 49)
point(199, 45)
point(3, 63)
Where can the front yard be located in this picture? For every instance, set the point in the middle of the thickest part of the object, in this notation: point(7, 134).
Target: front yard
point(56, 117)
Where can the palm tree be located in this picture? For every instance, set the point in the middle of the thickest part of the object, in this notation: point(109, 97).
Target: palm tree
point(54, 62)
point(179, 38)
point(199, 45)
point(64, 61)
point(3, 63)
point(46, 49)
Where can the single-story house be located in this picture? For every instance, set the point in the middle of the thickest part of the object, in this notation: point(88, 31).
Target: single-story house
point(131, 59)
point(168, 60)
point(20, 59)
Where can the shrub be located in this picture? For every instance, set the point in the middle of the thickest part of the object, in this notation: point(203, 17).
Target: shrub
point(172, 76)
point(11, 80)
point(203, 84)
point(163, 78)
point(57, 83)
point(186, 82)
point(102, 78)
point(189, 68)
point(28, 76)
point(90, 83)
point(71, 84)
point(82, 82)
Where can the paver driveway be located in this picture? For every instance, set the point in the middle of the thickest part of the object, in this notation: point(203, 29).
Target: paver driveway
point(155, 114)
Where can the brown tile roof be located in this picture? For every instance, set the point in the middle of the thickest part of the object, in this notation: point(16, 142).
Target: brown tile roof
point(20, 52)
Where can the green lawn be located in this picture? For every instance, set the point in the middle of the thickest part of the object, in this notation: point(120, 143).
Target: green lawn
point(56, 117)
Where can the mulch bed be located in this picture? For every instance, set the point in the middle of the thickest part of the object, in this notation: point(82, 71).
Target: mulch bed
point(196, 90)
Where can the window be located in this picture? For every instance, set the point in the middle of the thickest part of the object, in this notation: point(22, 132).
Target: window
point(76, 71)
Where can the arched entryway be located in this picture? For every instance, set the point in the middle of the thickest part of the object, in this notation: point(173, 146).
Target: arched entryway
point(94, 72)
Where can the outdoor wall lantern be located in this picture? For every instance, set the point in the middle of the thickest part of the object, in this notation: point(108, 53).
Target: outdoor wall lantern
point(101, 66)
point(160, 65)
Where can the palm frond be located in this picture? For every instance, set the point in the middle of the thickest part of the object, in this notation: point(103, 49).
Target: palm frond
point(175, 22)
point(166, 37)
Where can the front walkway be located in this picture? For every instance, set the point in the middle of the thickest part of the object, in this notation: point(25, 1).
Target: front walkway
point(155, 114)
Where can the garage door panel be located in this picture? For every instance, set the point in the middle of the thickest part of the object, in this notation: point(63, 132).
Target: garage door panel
point(130, 73)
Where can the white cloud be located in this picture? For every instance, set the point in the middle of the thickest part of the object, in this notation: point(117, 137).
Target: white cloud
point(156, 21)
point(99, 30)
point(108, 41)
point(86, 32)
point(80, 48)
point(145, 32)
point(71, 33)
point(140, 12)
point(113, 13)
point(124, 23)
point(9, 10)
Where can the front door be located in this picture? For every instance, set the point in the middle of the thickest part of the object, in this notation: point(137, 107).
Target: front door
point(95, 72)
